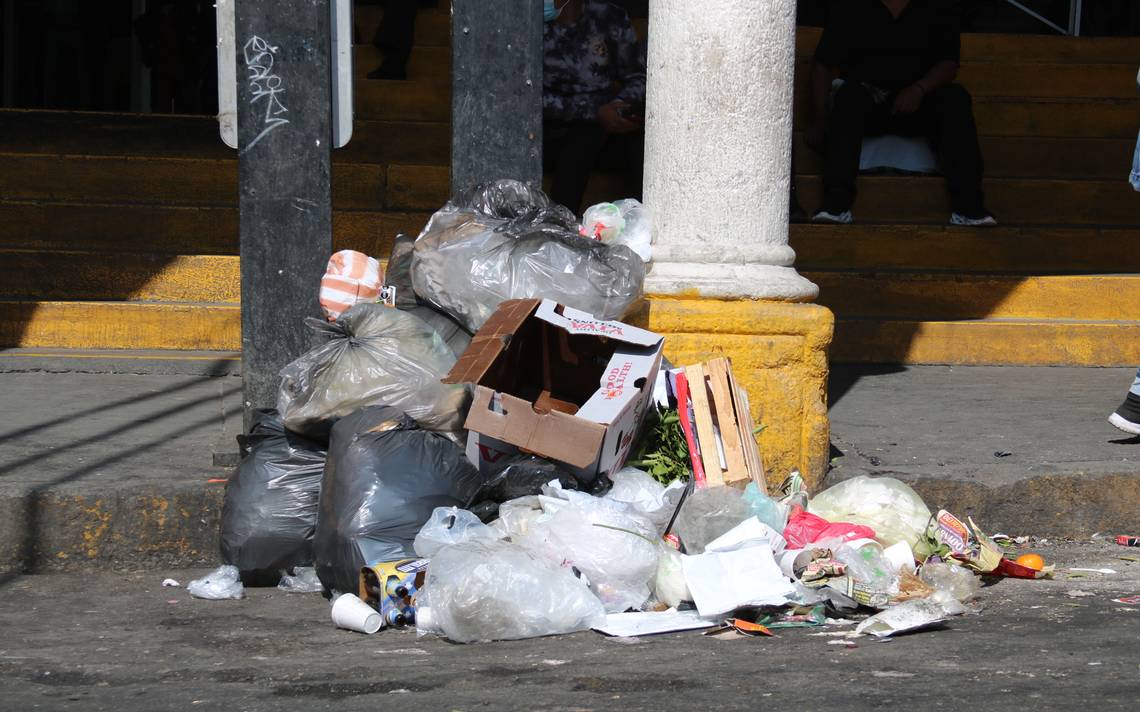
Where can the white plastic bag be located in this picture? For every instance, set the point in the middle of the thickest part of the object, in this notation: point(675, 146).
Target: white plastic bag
point(496, 590)
point(376, 356)
point(669, 585)
point(449, 526)
point(646, 496)
point(615, 548)
point(220, 584)
point(622, 222)
point(890, 507)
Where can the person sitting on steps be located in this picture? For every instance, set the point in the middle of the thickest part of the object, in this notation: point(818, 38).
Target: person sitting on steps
point(593, 97)
point(898, 60)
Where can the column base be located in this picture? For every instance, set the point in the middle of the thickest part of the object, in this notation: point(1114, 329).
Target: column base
point(779, 355)
point(728, 281)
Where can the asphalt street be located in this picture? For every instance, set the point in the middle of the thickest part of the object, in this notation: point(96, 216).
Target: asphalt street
point(120, 641)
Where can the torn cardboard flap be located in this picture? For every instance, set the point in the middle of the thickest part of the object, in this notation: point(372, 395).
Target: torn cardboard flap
point(559, 383)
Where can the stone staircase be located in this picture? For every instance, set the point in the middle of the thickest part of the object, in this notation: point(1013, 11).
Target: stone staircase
point(119, 231)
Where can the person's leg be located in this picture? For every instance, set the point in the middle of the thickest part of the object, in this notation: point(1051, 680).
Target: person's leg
point(624, 154)
point(947, 118)
point(395, 38)
point(1127, 416)
point(571, 152)
point(851, 109)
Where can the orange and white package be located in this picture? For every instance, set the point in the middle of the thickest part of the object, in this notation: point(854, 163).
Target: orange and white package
point(351, 278)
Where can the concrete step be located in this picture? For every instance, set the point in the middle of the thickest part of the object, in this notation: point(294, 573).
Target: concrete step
point(1002, 342)
point(170, 136)
point(216, 327)
point(427, 63)
point(173, 230)
point(1025, 157)
point(381, 100)
point(208, 182)
point(120, 325)
point(1019, 49)
point(949, 297)
point(944, 248)
point(1015, 201)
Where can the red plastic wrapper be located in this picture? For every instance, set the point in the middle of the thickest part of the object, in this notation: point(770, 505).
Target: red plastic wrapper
point(804, 528)
point(1128, 540)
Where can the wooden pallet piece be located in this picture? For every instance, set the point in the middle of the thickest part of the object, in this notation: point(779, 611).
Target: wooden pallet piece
point(706, 434)
point(748, 432)
point(727, 417)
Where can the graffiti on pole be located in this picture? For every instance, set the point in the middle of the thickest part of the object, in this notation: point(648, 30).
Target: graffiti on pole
point(265, 85)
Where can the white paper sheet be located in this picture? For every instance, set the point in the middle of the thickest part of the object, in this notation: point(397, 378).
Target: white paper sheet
point(751, 531)
point(723, 581)
point(628, 625)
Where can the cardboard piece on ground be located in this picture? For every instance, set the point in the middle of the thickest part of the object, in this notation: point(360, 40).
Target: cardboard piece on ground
point(652, 623)
point(556, 382)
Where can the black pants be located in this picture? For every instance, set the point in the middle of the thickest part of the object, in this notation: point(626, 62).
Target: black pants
point(946, 118)
point(572, 150)
point(396, 34)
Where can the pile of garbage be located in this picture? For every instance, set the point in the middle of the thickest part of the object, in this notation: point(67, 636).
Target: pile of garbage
point(482, 451)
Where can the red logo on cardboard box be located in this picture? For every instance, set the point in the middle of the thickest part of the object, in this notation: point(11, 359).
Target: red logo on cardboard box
point(597, 327)
point(489, 455)
point(615, 380)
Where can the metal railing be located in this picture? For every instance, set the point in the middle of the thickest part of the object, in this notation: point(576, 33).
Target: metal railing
point(1074, 28)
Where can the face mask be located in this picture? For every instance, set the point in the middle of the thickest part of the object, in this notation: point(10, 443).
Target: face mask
point(550, 12)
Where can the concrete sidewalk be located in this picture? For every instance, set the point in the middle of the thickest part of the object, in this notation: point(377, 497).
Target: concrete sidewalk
point(117, 468)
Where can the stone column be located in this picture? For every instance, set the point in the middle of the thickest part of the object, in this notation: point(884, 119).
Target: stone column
point(718, 148)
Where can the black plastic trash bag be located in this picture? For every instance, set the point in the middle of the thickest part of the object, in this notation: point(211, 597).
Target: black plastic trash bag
point(270, 509)
point(376, 355)
point(383, 479)
point(520, 476)
point(505, 240)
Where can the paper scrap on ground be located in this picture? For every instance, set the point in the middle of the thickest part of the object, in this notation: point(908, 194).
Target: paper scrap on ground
point(721, 582)
point(750, 532)
point(630, 625)
point(908, 616)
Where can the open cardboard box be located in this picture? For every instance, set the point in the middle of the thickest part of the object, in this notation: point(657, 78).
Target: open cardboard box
point(554, 381)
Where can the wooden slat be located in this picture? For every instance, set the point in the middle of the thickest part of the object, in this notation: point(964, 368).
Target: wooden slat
point(706, 435)
point(748, 427)
point(735, 468)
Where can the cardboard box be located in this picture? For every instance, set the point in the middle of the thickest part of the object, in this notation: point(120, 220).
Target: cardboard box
point(556, 382)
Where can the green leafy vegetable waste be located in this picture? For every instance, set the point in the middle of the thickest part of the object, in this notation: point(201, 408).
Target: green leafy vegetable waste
point(662, 450)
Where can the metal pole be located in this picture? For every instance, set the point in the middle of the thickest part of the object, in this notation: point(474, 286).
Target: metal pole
point(1075, 17)
point(1039, 16)
point(496, 98)
point(284, 120)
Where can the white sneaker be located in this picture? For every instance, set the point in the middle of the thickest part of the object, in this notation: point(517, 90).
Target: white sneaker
point(843, 218)
point(963, 221)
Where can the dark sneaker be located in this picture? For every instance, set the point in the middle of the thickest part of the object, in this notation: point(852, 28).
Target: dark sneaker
point(1127, 416)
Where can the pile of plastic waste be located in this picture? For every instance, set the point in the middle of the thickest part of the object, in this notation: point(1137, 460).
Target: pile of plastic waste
point(580, 494)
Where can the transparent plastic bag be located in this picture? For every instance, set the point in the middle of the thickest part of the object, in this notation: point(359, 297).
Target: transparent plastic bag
point(496, 590)
point(646, 496)
point(950, 581)
point(890, 507)
point(223, 583)
point(766, 509)
point(376, 355)
point(518, 515)
point(303, 580)
point(614, 548)
point(449, 526)
point(504, 240)
point(867, 565)
point(708, 513)
point(623, 222)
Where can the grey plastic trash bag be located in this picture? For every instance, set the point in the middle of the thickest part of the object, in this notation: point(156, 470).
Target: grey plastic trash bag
point(270, 508)
point(383, 479)
point(376, 355)
point(504, 240)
